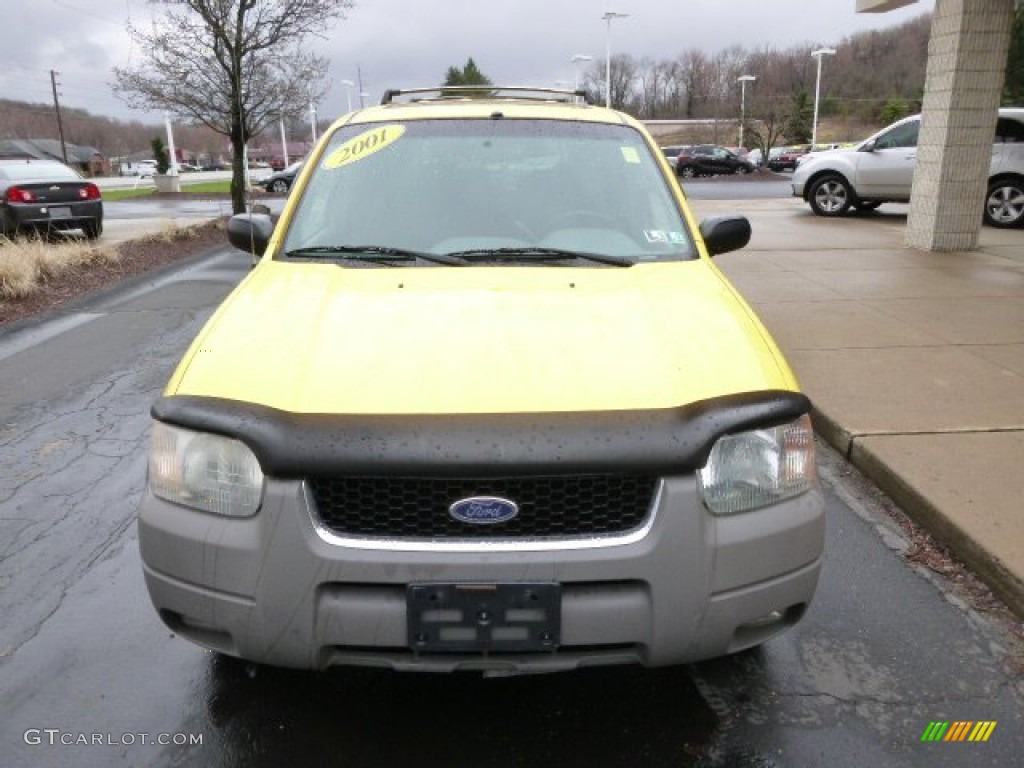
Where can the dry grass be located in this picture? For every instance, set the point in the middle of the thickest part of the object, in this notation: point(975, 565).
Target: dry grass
point(170, 233)
point(29, 263)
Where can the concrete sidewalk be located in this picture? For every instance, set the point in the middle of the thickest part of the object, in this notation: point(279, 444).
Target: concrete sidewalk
point(914, 361)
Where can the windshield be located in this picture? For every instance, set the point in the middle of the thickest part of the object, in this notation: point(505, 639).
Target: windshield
point(30, 171)
point(511, 188)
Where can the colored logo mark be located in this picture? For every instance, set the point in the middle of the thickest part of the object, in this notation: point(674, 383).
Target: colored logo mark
point(959, 730)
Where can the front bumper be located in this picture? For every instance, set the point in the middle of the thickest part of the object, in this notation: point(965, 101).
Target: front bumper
point(684, 586)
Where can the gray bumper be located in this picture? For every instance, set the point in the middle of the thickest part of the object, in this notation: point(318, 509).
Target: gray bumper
point(276, 589)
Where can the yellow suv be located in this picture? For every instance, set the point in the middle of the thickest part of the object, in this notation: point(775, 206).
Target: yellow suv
point(484, 403)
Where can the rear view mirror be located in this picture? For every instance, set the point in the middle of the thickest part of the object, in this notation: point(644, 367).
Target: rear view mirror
point(725, 233)
point(250, 232)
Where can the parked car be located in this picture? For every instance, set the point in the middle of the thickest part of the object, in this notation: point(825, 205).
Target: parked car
point(281, 181)
point(457, 418)
point(671, 153)
point(710, 160)
point(44, 196)
point(881, 169)
point(787, 159)
point(216, 165)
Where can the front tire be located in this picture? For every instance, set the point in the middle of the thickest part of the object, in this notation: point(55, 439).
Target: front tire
point(687, 172)
point(1004, 204)
point(280, 186)
point(830, 195)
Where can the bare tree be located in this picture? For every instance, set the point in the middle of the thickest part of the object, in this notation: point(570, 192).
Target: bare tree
point(233, 65)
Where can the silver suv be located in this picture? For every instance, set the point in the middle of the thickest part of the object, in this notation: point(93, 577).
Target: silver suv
point(881, 169)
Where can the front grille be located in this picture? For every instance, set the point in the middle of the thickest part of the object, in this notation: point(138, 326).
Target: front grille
point(417, 508)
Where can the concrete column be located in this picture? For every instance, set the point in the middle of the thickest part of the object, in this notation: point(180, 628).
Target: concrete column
point(966, 66)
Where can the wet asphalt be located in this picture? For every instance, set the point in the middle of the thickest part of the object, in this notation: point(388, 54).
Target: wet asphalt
point(885, 649)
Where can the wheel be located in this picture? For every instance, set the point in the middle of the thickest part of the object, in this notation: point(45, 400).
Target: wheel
point(93, 229)
point(584, 217)
point(830, 195)
point(742, 170)
point(280, 186)
point(687, 172)
point(1004, 204)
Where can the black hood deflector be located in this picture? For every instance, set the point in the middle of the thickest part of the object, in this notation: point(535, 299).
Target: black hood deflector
point(664, 440)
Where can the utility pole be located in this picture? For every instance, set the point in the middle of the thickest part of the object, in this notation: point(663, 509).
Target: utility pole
point(359, 79)
point(60, 125)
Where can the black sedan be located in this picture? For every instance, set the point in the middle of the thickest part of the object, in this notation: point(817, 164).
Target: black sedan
point(710, 160)
point(44, 195)
point(281, 181)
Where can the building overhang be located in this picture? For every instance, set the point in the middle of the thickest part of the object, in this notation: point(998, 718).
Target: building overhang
point(881, 6)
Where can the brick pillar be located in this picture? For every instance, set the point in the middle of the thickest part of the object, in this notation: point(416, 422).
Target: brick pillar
point(966, 66)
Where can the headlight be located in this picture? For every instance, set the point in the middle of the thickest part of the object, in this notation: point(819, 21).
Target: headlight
point(760, 467)
point(203, 471)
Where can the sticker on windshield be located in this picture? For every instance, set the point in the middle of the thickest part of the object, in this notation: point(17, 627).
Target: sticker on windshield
point(364, 145)
point(661, 236)
point(630, 155)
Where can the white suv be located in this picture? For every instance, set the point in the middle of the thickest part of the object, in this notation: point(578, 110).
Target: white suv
point(881, 169)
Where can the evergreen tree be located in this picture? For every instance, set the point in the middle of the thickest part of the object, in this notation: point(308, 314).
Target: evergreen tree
point(467, 75)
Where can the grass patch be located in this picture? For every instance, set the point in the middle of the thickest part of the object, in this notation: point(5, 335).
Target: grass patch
point(198, 188)
point(125, 194)
point(29, 263)
point(208, 187)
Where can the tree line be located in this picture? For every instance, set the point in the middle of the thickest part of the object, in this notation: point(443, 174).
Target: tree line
point(873, 78)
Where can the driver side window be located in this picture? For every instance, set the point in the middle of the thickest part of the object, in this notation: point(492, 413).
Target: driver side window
point(901, 136)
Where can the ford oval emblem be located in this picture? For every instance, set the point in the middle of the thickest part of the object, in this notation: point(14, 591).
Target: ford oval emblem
point(483, 510)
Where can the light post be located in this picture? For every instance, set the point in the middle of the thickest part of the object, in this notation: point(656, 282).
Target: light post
point(363, 96)
point(312, 119)
point(172, 169)
point(349, 85)
point(577, 60)
point(818, 54)
point(284, 142)
point(743, 80)
point(608, 16)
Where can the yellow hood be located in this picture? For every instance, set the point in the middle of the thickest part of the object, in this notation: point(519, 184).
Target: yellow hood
point(319, 338)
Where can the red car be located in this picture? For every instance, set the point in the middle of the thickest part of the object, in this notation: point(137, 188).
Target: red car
point(787, 159)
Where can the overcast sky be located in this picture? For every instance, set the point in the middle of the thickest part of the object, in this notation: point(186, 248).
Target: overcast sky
point(407, 43)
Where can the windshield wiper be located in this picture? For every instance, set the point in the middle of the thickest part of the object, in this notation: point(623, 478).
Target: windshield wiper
point(539, 253)
point(374, 253)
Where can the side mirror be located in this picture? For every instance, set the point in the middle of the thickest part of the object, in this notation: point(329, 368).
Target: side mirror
point(725, 233)
point(869, 146)
point(250, 232)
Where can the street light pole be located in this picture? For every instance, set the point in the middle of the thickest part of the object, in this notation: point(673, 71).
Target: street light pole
point(608, 16)
point(348, 92)
point(743, 80)
point(312, 119)
point(172, 169)
point(284, 142)
point(818, 54)
point(578, 59)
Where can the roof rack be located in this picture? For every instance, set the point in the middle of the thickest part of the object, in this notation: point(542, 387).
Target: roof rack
point(449, 92)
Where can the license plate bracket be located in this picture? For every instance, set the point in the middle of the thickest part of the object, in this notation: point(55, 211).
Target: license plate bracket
point(516, 617)
point(60, 212)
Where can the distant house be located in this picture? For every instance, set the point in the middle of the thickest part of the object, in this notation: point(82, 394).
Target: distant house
point(87, 160)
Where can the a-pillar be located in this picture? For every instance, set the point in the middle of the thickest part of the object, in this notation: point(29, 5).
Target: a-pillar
point(966, 67)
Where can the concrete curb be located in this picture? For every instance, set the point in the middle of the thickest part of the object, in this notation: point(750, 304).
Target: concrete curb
point(923, 511)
